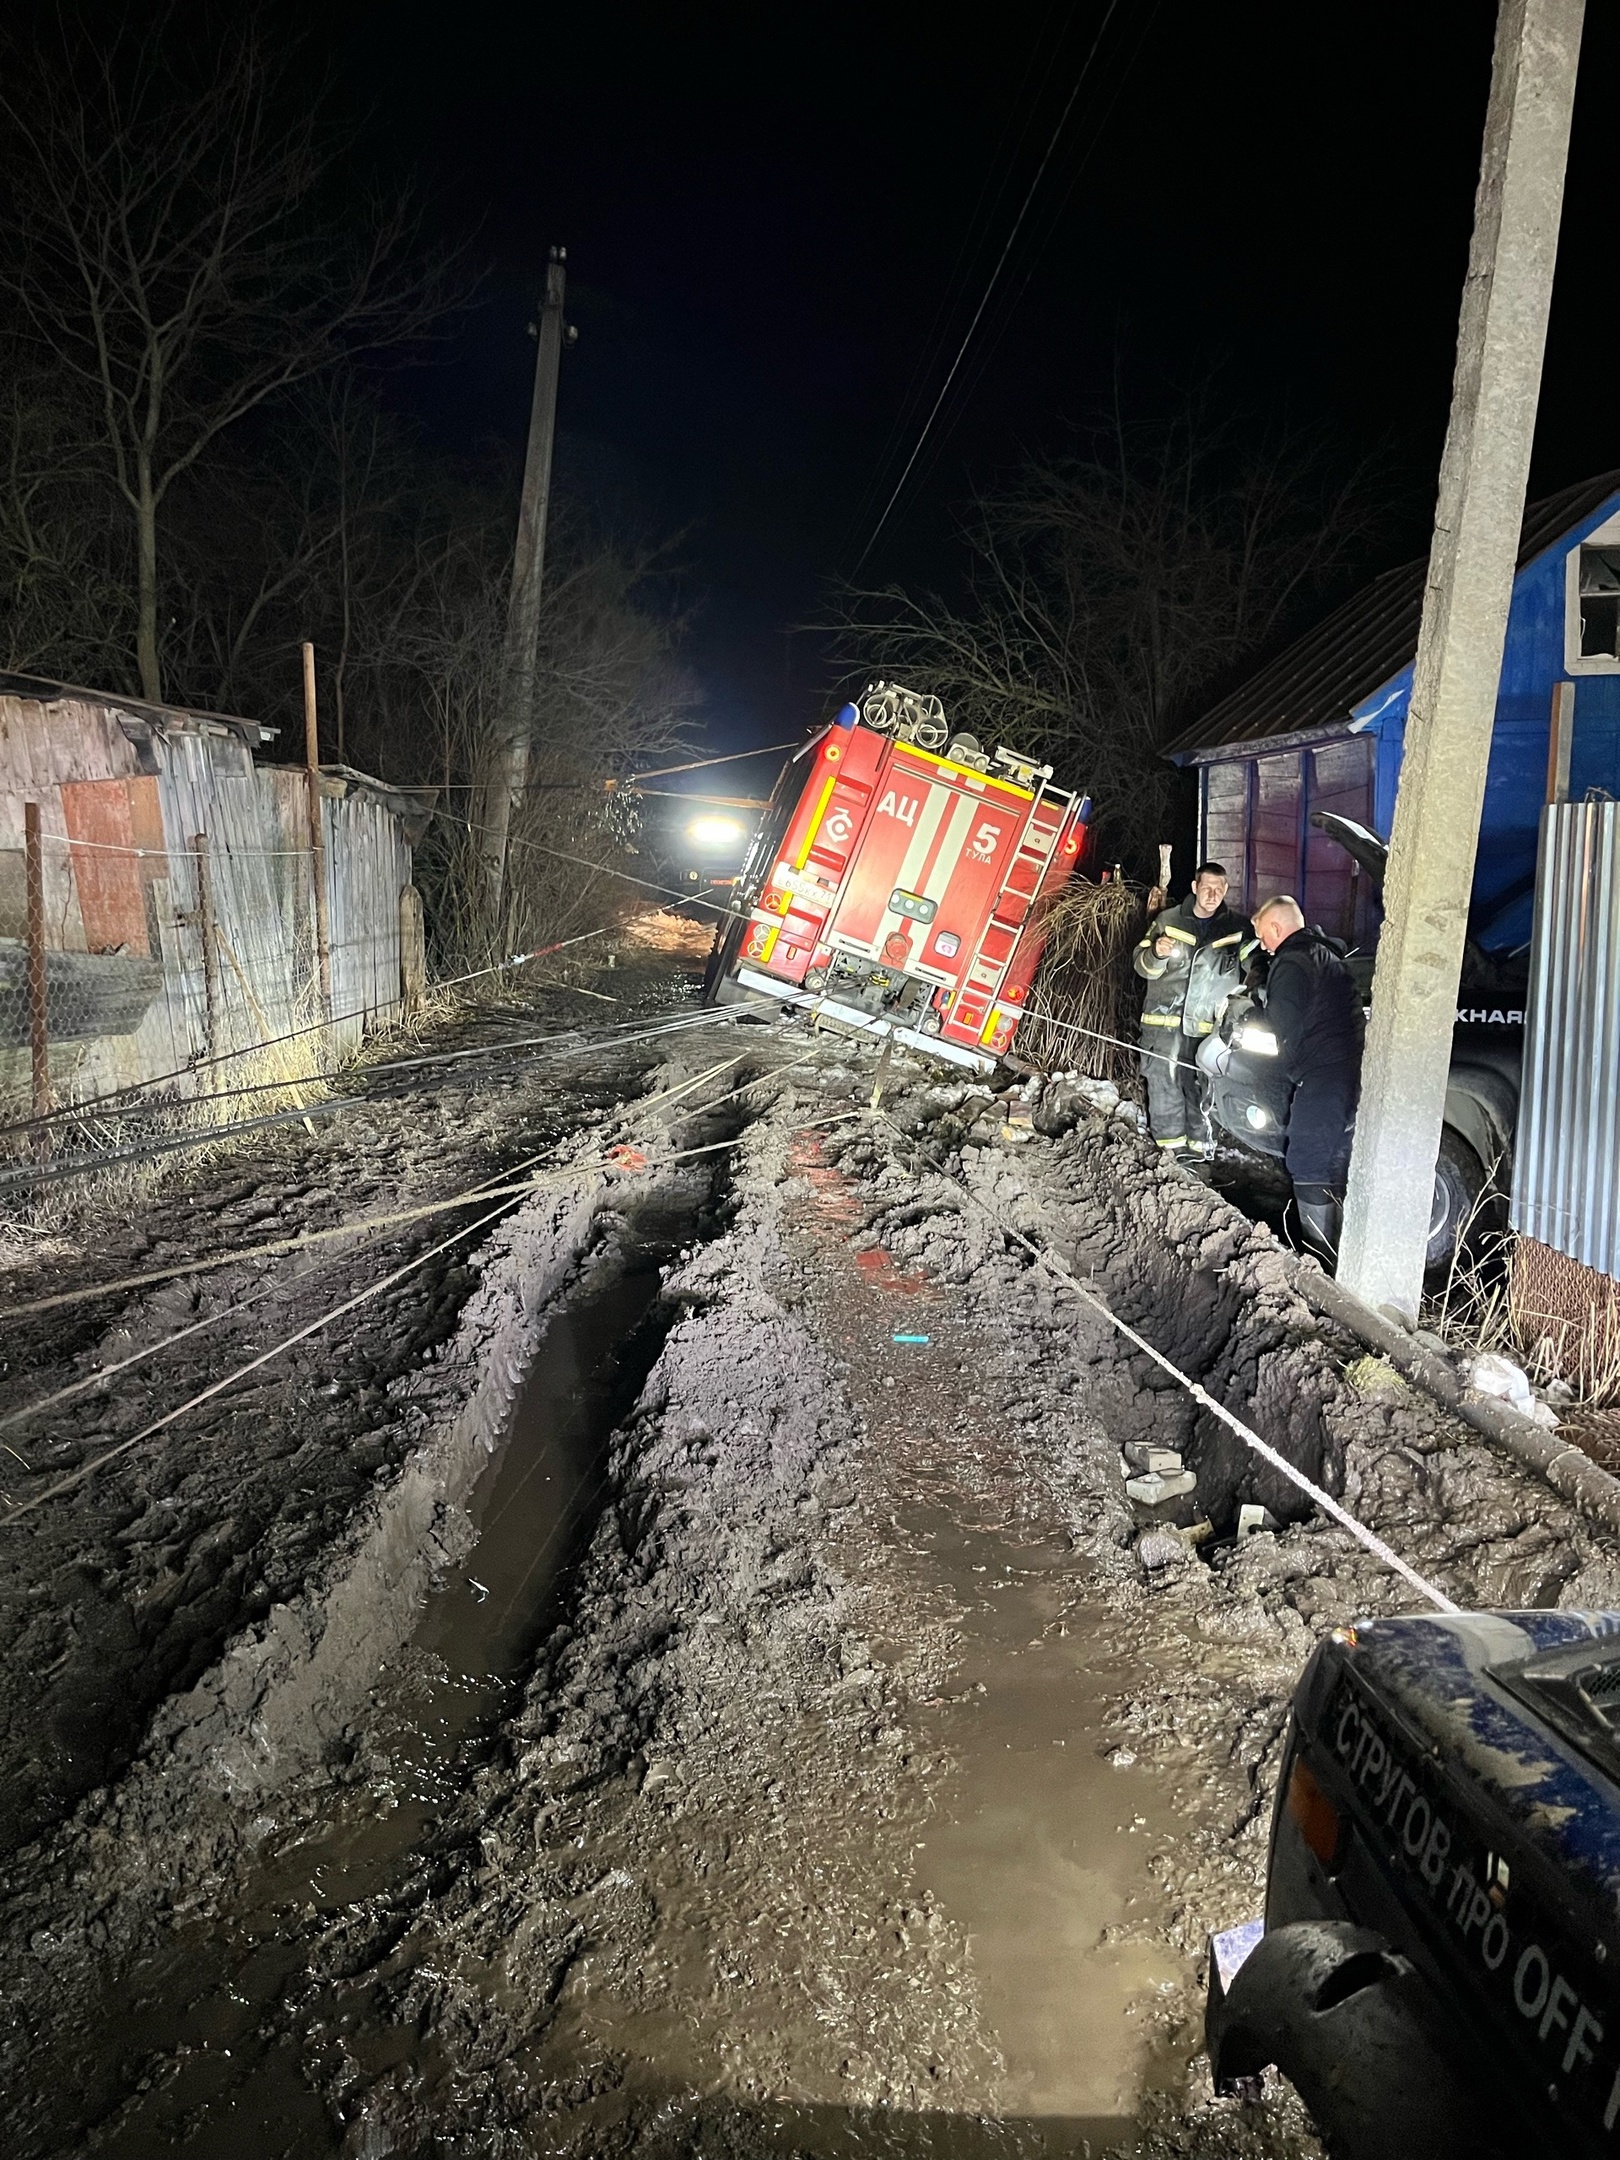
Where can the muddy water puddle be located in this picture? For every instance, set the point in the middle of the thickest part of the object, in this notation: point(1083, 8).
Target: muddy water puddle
point(1042, 1838)
point(199, 2022)
point(1041, 1847)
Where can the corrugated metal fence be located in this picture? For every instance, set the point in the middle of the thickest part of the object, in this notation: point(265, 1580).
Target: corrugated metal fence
point(1566, 1171)
point(177, 882)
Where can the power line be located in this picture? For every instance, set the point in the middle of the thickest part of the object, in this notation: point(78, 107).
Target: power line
point(975, 373)
point(984, 209)
point(984, 302)
point(70, 1111)
point(1063, 1274)
point(337, 1312)
point(494, 1186)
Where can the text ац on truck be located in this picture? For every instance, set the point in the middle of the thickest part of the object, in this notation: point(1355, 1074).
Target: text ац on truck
point(897, 884)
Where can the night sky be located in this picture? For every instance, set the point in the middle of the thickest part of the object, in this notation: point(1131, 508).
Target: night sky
point(779, 222)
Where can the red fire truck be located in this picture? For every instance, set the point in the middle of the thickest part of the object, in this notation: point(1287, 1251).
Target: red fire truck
point(897, 881)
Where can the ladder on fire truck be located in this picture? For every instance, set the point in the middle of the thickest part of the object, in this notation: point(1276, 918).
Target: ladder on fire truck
point(1010, 913)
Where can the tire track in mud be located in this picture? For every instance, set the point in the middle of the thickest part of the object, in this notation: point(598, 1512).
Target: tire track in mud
point(702, 1916)
point(652, 1921)
point(741, 1870)
point(161, 1847)
point(123, 1596)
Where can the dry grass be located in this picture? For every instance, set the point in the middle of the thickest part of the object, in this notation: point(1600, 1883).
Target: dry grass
point(1083, 1012)
point(1491, 1301)
point(51, 1218)
point(1470, 1309)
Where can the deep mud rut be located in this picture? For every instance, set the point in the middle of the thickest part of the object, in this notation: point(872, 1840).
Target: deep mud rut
point(714, 1723)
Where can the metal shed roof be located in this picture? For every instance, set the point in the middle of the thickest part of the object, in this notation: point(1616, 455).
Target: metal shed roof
point(40, 690)
point(1318, 680)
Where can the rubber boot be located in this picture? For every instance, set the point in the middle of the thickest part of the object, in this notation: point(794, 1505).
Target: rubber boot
point(1321, 1219)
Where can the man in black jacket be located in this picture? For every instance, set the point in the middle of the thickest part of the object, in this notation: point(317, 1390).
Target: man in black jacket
point(1313, 1010)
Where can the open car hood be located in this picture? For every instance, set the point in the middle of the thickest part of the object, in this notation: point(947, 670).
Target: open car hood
point(1356, 840)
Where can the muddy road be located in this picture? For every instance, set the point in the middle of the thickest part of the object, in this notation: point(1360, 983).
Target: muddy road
point(677, 1673)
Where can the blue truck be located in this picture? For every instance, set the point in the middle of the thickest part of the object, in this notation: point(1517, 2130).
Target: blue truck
point(1438, 1968)
point(1248, 1099)
point(1297, 770)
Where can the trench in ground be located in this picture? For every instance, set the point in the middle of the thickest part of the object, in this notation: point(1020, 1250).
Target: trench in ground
point(200, 2048)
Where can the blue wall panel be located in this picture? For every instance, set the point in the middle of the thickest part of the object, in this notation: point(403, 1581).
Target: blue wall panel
point(1515, 785)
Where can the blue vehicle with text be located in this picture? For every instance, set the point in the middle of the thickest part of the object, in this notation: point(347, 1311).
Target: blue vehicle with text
point(1438, 1969)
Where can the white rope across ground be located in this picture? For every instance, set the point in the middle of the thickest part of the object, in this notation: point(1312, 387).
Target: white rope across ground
point(505, 1195)
point(99, 1105)
point(332, 1105)
point(1246, 1433)
point(195, 1402)
point(272, 1248)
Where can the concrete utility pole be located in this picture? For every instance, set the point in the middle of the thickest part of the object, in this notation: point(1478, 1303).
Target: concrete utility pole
point(1500, 341)
point(504, 789)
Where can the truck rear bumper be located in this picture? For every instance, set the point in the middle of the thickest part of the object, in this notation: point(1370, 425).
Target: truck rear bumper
point(819, 1006)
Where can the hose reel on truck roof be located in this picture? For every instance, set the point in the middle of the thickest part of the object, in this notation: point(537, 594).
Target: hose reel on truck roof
point(908, 715)
point(912, 716)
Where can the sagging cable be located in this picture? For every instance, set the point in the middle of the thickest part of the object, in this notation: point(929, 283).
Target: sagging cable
point(273, 1248)
point(337, 1312)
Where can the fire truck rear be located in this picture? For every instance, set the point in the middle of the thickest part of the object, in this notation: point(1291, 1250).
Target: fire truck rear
point(899, 880)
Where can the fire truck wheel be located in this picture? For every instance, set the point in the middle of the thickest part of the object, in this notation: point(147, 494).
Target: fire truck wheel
point(722, 956)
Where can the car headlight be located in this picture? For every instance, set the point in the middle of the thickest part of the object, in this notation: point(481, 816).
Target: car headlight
point(1256, 1117)
point(1259, 1041)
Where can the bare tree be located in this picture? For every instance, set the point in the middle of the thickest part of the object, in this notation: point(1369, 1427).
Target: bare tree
point(280, 538)
point(166, 251)
point(64, 577)
point(609, 695)
point(1109, 590)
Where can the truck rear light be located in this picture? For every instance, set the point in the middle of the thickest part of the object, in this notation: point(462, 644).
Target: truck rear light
point(1071, 846)
point(832, 753)
point(1314, 1814)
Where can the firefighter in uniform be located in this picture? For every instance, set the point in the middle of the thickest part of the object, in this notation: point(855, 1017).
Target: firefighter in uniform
point(1192, 958)
point(1313, 1012)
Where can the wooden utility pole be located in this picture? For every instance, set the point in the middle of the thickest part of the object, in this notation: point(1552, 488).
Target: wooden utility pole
point(1500, 342)
point(504, 789)
point(317, 828)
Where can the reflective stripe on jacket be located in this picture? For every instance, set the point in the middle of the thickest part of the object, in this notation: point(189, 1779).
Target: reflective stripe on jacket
point(1185, 988)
